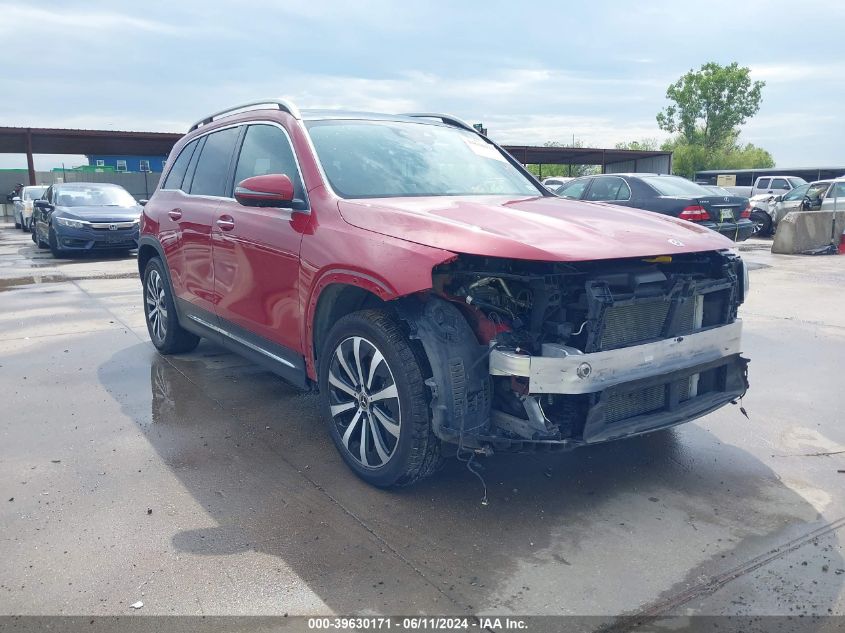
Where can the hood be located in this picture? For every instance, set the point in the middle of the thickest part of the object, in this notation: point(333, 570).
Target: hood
point(99, 214)
point(541, 228)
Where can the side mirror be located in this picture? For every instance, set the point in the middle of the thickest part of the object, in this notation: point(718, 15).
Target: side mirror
point(143, 202)
point(269, 190)
point(42, 204)
point(778, 198)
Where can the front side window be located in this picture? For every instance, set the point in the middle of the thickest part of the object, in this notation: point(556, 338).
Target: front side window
point(816, 190)
point(837, 191)
point(779, 183)
point(574, 189)
point(608, 188)
point(210, 176)
point(266, 150)
point(381, 159)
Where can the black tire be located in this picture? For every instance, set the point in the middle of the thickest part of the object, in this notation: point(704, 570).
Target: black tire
point(415, 453)
point(18, 225)
point(37, 239)
point(54, 244)
point(168, 336)
point(762, 223)
point(24, 227)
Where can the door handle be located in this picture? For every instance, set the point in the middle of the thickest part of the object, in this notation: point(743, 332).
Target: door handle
point(226, 222)
point(175, 214)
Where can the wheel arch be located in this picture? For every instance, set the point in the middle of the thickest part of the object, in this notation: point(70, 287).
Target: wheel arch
point(335, 300)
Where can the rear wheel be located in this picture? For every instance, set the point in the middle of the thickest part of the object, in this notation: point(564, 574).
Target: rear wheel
point(376, 402)
point(168, 336)
point(762, 223)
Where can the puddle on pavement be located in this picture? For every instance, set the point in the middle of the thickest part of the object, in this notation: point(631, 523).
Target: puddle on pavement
point(10, 284)
point(52, 278)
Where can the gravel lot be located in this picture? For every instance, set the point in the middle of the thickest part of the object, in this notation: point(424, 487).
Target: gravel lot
point(201, 484)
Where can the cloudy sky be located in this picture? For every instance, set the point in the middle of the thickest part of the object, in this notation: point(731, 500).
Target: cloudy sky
point(530, 71)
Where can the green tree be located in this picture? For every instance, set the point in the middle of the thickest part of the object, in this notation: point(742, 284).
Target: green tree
point(710, 104)
point(550, 171)
point(643, 145)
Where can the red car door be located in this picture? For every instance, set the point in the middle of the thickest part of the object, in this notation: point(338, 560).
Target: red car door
point(256, 249)
point(185, 207)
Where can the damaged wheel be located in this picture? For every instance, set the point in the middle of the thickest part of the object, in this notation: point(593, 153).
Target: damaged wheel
point(376, 401)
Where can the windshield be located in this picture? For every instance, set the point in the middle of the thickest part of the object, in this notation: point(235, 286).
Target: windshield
point(33, 193)
point(94, 196)
point(797, 181)
point(675, 186)
point(382, 159)
point(798, 193)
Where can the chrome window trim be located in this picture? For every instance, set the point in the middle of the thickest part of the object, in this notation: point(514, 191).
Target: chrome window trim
point(242, 341)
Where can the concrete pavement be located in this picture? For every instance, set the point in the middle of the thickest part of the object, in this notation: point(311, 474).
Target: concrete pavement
point(253, 511)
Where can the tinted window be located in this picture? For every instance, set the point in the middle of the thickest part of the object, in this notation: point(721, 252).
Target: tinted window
point(763, 183)
point(779, 183)
point(266, 150)
point(377, 159)
point(608, 188)
point(177, 172)
point(213, 165)
point(798, 193)
point(574, 189)
point(675, 186)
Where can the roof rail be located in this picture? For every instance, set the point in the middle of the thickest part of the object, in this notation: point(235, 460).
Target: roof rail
point(282, 104)
point(446, 118)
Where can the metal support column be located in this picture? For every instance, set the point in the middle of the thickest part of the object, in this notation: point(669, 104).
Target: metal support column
point(30, 163)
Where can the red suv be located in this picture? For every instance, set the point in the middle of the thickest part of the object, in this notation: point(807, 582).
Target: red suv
point(433, 290)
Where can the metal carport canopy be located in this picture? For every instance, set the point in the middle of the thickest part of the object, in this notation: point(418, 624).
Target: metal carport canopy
point(29, 141)
point(542, 155)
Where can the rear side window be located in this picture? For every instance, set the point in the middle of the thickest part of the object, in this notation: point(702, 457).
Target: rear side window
point(266, 150)
point(210, 177)
point(177, 172)
point(763, 183)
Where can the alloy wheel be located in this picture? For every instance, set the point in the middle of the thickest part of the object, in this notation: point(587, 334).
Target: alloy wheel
point(364, 402)
point(156, 305)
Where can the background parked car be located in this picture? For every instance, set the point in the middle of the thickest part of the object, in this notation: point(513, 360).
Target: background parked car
point(774, 185)
point(23, 205)
point(669, 195)
point(554, 183)
point(768, 211)
point(86, 216)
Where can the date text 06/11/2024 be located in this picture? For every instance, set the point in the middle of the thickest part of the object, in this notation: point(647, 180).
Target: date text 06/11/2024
point(416, 623)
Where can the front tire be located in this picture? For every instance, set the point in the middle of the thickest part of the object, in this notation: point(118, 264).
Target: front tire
point(54, 244)
point(376, 402)
point(37, 238)
point(168, 336)
point(762, 223)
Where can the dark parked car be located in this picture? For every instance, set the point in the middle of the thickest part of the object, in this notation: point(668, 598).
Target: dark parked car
point(669, 195)
point(85, 217)
point(433, 290)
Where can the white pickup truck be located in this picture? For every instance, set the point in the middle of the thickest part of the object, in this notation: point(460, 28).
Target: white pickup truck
point(772, 185)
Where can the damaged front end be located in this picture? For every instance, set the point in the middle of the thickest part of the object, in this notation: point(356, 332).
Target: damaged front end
point(527, 355)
